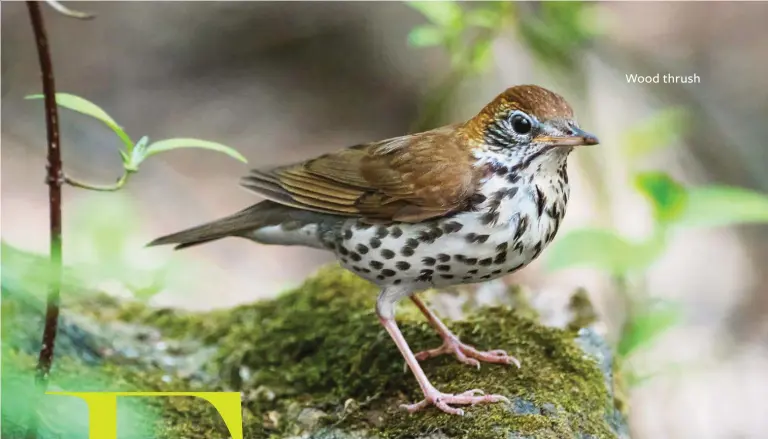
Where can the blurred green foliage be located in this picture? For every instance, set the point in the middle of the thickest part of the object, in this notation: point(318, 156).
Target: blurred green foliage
point(674, 207)
point(21, 272)
point(667, 197)
point(110, 248)
point(466, 34)
point(105, 253)
point(647, 324)
point(605, 249)
point(554, 32)
point(557, 32)
point(25, 280)
point(715, 206)
point(655, 133)
point(66, 417)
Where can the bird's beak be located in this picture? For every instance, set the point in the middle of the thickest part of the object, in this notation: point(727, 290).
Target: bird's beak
point(578, 137)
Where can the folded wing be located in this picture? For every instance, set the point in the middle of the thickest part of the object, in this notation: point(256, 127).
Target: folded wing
point(409, 179)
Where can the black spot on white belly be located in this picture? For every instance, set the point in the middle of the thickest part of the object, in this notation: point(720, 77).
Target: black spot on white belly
point(452, 226)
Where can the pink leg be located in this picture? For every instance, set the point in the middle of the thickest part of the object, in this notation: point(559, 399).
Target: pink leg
point(452, 345)
point(431, 394)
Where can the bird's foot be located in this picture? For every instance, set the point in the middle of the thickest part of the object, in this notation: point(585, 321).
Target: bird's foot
point(443, 401)
point(468, 354)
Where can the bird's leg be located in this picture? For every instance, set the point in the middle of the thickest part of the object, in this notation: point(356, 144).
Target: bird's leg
point(386, 311)
point(452, 345)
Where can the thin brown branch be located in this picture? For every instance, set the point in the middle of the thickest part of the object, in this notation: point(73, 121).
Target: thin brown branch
point(54, 181)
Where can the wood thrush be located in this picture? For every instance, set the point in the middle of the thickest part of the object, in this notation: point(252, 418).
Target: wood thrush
point(459, 204)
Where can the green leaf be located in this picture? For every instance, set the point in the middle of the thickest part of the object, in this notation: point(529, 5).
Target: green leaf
point(591, 20)
point(556, 34)
point(481, 17)
point(84, 106)
point(142, 143)
point(635, 379)
point(601, 249)
point(656, 132)
point(482, 55)
point(715, 206)
point(171, 144)
point(81, 105)
point(667, 196)
point(647, 325)
point(425, 36)
point(445, 14)
point(131, 163)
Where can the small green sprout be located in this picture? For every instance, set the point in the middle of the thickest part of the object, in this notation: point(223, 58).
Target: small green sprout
point(132, 153)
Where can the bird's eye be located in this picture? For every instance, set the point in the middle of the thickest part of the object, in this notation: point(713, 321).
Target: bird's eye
point(521, 124)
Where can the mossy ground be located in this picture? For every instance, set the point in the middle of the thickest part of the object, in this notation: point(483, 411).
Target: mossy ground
point(321, 347)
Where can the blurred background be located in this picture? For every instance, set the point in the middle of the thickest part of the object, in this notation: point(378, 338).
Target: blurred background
point(282, 82)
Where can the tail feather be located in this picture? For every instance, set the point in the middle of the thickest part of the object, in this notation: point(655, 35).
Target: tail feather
point(246, 220)
point(249, 221)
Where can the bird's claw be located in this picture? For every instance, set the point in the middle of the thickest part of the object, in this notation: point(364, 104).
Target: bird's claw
point(468, 354)
point(443, 401)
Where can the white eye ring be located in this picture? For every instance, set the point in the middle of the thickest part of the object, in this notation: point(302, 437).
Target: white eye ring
point(521, 123)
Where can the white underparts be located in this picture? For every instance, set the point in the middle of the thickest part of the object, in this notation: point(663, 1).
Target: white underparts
point(305, 236)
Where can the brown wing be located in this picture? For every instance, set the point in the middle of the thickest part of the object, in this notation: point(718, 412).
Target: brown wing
point(408, 178)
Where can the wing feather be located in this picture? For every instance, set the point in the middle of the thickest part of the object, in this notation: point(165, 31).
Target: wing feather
point(295, 177)
point(409, 178)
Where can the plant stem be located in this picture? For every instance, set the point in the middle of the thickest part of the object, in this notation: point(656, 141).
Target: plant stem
point(94, 187)
point(69, 12)
point(54, 181)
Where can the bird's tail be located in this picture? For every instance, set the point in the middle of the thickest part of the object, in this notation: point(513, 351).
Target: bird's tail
point(295, 227)
point(238, 224)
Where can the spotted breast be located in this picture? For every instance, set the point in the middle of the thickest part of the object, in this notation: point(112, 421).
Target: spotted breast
point(514, 218)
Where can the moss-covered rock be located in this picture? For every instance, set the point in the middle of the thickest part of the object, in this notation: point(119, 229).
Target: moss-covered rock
point(315, 363)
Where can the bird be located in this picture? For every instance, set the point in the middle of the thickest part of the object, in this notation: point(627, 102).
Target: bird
point(460, 204)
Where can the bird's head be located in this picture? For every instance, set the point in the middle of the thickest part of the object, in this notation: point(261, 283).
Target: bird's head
point(526, 125)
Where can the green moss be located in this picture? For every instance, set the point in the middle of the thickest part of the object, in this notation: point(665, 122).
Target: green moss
point(554, 373)
point(321, 345)
point(207, 327)
point(318, 354)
